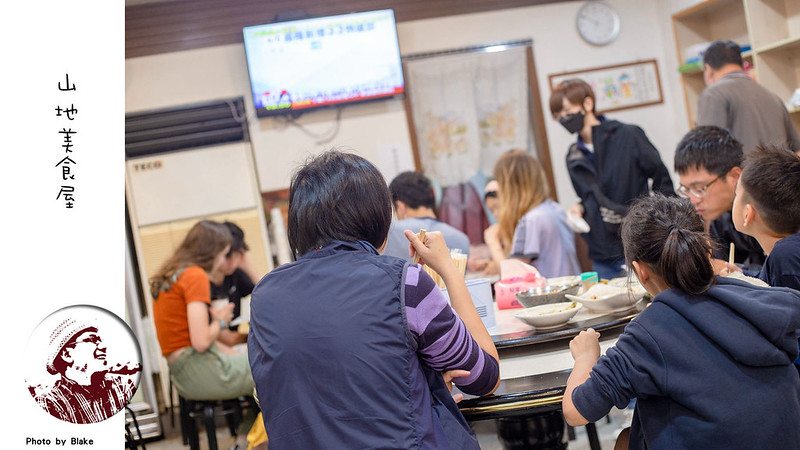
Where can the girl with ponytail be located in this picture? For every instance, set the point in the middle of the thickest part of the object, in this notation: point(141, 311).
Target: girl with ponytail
point(708, 360)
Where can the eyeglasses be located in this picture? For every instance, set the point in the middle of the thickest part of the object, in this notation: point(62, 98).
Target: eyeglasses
point(94, 339)
point(697, 192)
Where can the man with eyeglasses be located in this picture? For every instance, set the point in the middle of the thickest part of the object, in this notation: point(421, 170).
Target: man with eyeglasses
point(87, 391)
point(708, 160)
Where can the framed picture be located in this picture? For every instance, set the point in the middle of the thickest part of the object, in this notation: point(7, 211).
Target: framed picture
point(621, 86)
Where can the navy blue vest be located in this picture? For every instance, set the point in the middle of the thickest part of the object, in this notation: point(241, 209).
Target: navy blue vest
point(334, 364)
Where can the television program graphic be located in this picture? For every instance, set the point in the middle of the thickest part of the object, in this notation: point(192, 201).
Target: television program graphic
point(83, 364)
point(323, 61)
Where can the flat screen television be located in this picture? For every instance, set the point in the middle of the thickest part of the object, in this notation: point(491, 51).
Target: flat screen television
point(306, 64)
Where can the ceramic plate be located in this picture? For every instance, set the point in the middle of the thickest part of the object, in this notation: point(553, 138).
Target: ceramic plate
point(549, 316)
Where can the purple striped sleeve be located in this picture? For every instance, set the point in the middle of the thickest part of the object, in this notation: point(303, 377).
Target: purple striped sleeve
point(443, 340)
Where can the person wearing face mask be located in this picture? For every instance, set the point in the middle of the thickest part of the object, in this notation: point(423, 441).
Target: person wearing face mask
point(610, 165)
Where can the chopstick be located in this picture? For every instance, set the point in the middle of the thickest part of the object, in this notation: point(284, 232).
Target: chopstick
point(421, 237)
point(730, 255)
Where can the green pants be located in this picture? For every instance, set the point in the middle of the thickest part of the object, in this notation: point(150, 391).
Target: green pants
point(211, 375)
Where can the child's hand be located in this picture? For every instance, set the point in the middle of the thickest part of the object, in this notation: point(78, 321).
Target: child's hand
point(586, 345)
point(433, 252)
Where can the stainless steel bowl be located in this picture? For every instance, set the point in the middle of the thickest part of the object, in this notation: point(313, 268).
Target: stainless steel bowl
point(547, 294)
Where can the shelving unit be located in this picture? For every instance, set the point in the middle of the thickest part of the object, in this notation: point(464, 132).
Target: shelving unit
point(770, 27)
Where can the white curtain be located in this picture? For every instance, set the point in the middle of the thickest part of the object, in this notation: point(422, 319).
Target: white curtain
point(468, 109)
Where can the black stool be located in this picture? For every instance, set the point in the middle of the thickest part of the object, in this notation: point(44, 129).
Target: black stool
point(207, 411)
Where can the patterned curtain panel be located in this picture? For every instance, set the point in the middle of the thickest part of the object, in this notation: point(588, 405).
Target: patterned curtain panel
point(468, 109)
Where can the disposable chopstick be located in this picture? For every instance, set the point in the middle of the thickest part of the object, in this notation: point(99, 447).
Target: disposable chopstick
point(421, 237)
point(730, 255)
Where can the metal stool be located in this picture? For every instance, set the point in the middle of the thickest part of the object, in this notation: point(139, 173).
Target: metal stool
point(207, 411)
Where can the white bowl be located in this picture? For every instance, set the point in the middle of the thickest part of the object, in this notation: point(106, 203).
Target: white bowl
point(601, 297)
point(553, 315)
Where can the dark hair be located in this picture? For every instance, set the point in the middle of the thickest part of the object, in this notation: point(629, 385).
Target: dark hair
point(771, 181)
point(237, 235)
point(720, 53)
point(708, 147)
point(414, 189)
point(574, 90)
point(337, 196)
point(666, 234)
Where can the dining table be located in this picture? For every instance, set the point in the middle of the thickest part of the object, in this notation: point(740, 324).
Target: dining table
point(534, 368)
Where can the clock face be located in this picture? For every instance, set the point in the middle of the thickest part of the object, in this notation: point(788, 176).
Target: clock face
point(598, 23)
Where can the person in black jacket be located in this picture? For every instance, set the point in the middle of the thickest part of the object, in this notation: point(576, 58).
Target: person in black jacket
point(610, 165)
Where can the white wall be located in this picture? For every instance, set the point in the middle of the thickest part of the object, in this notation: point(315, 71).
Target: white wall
point(375, 129)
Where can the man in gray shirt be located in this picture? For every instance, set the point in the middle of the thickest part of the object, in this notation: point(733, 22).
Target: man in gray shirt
point(733, 101)
point(414, 203)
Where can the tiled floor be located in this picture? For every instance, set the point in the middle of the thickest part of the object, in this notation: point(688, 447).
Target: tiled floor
point(485, 430)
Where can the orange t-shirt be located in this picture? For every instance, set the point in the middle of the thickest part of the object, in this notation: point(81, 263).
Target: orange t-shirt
point(169, 309)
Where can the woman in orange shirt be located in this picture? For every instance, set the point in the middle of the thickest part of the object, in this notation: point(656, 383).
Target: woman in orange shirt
point(187, 327)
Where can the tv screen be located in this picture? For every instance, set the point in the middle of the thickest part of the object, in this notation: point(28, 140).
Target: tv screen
point(310, 63)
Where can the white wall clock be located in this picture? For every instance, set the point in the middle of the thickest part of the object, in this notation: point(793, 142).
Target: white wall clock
point(598, 23)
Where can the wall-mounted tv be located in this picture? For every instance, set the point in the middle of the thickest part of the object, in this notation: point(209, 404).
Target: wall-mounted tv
point(305, 64)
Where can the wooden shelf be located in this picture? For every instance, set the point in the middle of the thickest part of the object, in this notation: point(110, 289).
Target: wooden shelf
point(770, 27)
point(700, 24)
point(790, 44)
point(707, 8)
point(772, 22)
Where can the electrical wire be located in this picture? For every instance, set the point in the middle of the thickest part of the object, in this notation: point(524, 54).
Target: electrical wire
point(322, 138)
point(291, 119)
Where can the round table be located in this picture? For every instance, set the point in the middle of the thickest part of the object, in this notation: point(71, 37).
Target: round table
point(534, 368)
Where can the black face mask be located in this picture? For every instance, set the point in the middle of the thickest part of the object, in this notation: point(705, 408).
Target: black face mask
point(572, 122)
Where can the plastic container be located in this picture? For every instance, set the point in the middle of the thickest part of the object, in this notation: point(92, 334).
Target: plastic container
point(480, 289)
point(589, 279)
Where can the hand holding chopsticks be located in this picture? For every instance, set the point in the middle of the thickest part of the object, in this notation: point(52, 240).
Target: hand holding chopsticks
point(432, 251)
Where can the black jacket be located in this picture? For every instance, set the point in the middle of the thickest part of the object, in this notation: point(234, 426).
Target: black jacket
point(747, 251)
point(610, 178)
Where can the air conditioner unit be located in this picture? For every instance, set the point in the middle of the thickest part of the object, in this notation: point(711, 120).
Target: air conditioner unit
point(183, 165)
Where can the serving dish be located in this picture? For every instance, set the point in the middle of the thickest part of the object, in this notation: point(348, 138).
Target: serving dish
point(546, 295)
point(602, 297)
point(547, 317)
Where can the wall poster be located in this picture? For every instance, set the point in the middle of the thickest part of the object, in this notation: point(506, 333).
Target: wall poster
point(620, 86)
